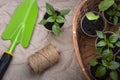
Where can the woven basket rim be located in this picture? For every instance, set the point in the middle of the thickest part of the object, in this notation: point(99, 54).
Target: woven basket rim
point(77, 52)
point(81, 41)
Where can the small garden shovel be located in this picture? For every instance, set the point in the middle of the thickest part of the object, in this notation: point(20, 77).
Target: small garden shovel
point(19, 30)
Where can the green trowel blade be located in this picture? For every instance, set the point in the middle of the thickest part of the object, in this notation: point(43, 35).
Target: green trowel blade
point(21, 25)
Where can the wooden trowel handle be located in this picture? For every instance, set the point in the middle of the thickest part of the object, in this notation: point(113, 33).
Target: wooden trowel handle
point(4, 63)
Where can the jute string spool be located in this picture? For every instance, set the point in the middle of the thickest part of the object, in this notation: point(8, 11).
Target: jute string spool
point(43, 59)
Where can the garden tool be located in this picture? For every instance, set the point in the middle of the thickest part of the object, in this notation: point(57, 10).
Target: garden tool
point(19, 31)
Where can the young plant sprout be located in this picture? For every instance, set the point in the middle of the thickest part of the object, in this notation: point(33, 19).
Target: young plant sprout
point(55, 17)
point(103, 6)
point(106, 44)
point(105, 67)
point(92, 16)
point(114, 13)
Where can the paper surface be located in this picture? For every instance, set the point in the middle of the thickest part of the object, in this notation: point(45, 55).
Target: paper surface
point(67, 68)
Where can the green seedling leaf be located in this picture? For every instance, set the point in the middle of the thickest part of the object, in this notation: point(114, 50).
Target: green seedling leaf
point(101, 43)
point(110, 45)
point(49, 9)
point(64, 12)
point(92, 16)
point(93, 62)
point(115, 18)
point(56, 29)
point(100, 34)
point(117, 44)
point(118, 7)
point(60, 19)
point(105, 4)
point(117, 14)
point(113, 38)
point(118, 32)
point(118, 57)
point(101, 71)
point(106, 51)
point(105, 63)
point(114, 5)
point(111, 13)
point(43, 22)
point(107, 54)
point(114, 75)
point(21, 25)
point(99, 50)
point(51, 19)
point(114, 65)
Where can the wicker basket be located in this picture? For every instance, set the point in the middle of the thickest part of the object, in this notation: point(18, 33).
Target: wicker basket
point(84, 45)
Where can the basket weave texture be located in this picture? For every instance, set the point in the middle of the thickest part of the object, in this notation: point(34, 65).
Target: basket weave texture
point(84, 45)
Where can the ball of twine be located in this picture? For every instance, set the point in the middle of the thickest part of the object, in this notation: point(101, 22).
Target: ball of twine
point(43, 59)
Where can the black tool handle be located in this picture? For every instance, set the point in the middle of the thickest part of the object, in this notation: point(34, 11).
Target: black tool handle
point(4, 63)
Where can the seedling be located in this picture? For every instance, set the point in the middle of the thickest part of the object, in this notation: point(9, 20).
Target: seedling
point(106, 44)
point(55, 18)
point(103, 6)
point(104, 66)
point(114, 13)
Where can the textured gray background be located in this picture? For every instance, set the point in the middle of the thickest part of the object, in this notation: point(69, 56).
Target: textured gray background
point(66, 69)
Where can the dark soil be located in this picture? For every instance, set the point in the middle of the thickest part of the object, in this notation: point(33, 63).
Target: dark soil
point(50, 24)
point(108, 16)
point(90, 26)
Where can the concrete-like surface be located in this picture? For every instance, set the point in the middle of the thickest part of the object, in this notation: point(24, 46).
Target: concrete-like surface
point(67, 68)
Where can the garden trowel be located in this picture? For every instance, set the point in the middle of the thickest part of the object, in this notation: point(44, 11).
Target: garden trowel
point(19, 30)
